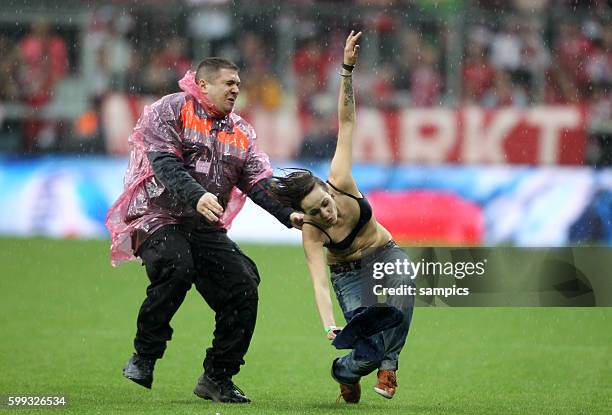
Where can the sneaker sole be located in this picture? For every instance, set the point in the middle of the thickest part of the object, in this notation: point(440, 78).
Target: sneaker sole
point(140, 382)
point(202, 395)
point(200, 392)
point(383, 393)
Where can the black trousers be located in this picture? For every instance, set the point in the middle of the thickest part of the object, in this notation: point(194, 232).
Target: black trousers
point(227, 279)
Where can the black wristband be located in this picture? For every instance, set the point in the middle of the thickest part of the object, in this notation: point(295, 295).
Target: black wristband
point(348, 67)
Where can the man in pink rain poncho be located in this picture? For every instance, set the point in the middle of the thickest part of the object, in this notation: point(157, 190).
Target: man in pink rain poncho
point(193, 162)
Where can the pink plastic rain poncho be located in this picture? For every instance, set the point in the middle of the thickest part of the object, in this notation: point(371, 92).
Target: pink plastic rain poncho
point(220, 152)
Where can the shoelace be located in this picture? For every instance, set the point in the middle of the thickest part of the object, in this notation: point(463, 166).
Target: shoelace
point(341, 397)
point(236, 388)
point(232, 386)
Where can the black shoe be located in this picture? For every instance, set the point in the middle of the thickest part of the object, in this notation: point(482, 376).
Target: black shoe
point(222, 390)
point(140, 370)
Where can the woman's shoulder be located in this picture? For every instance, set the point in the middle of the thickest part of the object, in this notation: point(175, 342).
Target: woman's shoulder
point(345, 186)
point(312, 232)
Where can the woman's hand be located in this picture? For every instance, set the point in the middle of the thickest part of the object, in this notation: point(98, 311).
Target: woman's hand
point(331, 335)
point(297, 220)
point(351, 49)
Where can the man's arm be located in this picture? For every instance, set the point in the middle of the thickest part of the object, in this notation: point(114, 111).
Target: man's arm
point(256, 180)
point(259, 194)
point(169, 169)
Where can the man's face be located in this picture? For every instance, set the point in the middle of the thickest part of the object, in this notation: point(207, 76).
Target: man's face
point(222, 89)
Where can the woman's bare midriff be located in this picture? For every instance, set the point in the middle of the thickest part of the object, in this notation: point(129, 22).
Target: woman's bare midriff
point(372, 236)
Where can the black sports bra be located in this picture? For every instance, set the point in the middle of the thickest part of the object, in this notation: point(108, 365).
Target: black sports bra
point(365, 214)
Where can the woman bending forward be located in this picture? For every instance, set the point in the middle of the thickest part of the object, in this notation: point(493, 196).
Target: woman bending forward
point(338, 217)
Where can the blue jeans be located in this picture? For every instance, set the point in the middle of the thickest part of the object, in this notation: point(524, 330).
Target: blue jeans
point(356, 289)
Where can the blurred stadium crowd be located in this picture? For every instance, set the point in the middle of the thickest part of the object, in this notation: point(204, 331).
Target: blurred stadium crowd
point(475, 121)
point(58, 74)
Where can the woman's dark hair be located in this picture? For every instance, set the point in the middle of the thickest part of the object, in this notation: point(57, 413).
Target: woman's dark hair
point(291, 189)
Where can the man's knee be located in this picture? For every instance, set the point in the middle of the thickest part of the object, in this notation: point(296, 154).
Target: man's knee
point(250, 270)
point(244, 296)
point(245, 288)
point(243, 301)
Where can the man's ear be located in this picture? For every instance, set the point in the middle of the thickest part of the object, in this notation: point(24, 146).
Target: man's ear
point(202, 84)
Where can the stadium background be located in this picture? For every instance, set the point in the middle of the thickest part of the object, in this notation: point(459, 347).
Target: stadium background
point(488, 121)
point(480, 123)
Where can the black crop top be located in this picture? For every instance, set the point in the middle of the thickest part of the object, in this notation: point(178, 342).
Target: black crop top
point(365, 214)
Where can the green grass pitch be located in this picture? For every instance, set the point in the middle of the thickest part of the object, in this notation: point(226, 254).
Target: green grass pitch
point(67, 321)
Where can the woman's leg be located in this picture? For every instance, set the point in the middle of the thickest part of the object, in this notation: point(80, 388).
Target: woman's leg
point(395, 338)
point(349, 289)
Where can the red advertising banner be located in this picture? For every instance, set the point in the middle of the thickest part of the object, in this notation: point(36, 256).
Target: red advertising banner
point(538, 135)
point(469, 135)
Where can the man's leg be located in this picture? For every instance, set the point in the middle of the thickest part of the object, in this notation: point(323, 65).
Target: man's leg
point(228, 282)
point(169, 264)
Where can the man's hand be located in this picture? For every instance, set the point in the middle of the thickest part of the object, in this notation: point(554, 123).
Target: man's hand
point(209, 207)
point(351, 49)
point(297, 220)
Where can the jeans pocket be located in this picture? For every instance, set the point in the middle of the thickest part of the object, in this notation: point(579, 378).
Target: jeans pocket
point(347, 286)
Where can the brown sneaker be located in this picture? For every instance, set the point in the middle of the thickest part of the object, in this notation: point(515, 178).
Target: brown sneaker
point(387, 383)
point(350, 393)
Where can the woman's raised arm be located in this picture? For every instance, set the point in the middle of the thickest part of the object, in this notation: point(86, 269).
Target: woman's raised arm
point(340, 172)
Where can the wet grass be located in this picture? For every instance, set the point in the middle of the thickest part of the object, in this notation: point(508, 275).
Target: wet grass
point(67, 320)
